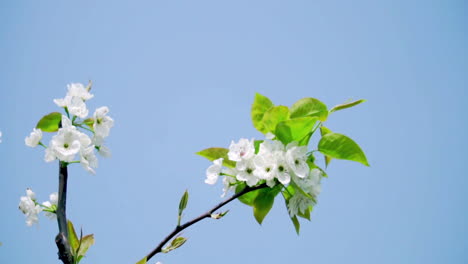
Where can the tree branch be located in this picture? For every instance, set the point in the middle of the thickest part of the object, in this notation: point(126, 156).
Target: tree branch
point(62, 238)
point(208, 214)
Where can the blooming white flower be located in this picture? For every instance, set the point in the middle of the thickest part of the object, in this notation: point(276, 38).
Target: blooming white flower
point(75, 99)
point(212, 173)
point(53, 200)
point(299, 203)
point(29, 207)
point(34, 138)
point(244, 149)
point(282, 170)
point(67, 142)
point(311, 185)
point(296, 158)
point(102, 122)
point(265, 166)
point(79, 90)
point(88, 159)
point(245, 172)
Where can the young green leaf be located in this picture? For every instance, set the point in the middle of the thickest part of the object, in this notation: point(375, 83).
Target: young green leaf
point(247, 198)
point(346, 105)
point(175, 243)
point(264, 202)
point(183, 202)
point(219, 215)
point(216, 153)
point(294, 129)
point(89, 122)
point(323, 132)
point(309, 107)
point(339, 146)
point(296, 224)
point(50, 122)
point(142, 261)
point(85, 243)
point(260, 105)
point(257, 145)
point(273, 116)
point(73, 238)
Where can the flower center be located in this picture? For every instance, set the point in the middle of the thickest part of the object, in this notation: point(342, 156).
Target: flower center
point(65, 145)
point(281, 168)
point(249, 170)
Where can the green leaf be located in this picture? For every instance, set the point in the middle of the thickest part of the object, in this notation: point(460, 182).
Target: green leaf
point(323, 132)
point(339, 146)
point(296, 224)
point(183, 202)
point(86, 242)
point(260, 105)
point(346, 105)
point(50, 122)
point(175, 243)
point(142, 261)
point(216, 153)
point(89, 122)
point(257, 145)
point(264, 202)
point(309, 107)
point(73, 238)
point(294, 129)
point(273, 116)
point(247, 198)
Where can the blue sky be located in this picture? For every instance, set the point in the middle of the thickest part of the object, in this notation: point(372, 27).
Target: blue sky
point(180, 76)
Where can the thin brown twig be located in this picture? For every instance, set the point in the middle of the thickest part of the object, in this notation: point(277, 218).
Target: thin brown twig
point(207, 214)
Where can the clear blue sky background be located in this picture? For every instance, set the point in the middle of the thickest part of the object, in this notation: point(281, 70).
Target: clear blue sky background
point(180, 76)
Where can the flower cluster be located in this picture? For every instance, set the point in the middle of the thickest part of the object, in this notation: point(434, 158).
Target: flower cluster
point(272, 163)
point(69, 142)
point(31, 208)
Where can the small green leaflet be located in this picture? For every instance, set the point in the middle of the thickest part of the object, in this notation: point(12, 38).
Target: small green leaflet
point(309, 107)
point(273, 116)
point(264, 202)
point(294, 129)
point(50, 122)
point(260, 105)
point(339, 146)
point(346, 105)
point(216, 153)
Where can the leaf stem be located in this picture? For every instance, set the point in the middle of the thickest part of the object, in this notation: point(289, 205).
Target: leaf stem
point(207, 214)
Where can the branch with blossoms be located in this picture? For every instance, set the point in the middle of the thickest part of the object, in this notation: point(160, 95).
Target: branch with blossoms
point(259, 170)
point(76, 140)
point(255, 171)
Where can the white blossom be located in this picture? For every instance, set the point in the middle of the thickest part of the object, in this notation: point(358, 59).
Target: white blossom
point(282, 170)
point(244, 149)
point(34, 138)
point(102, 122)
point(299, 203)
point(88, 159)
point(212, 173)
point(29, 207)
point(296, 158)
point(75, 99)
point(311, 185)
point(245, 172)
point(67, 142)
point(53, 200)
point(79, 90)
